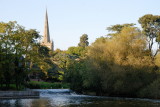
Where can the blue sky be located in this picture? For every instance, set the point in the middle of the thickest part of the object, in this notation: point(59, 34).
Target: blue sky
point(69, 19)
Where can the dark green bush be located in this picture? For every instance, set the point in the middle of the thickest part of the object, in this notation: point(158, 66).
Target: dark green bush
point(152, 90)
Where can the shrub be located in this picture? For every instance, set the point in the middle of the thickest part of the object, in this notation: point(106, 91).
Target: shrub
point(152, 90)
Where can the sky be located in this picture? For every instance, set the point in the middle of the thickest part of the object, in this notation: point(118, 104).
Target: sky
point(70, 19)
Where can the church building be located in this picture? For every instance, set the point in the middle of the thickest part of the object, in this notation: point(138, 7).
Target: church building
point(46, 36)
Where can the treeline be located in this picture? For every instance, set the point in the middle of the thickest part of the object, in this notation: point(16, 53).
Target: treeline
point(23, 59)
point(124, 63)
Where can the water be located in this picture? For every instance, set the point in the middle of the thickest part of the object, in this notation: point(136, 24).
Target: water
point(67, 98)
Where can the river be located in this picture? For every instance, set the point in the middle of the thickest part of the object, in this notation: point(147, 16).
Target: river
point(67, 98)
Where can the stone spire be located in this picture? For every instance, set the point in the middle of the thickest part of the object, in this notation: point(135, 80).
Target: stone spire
point(46, 35)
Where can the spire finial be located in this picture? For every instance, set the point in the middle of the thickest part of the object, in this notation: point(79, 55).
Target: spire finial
point(46, 9)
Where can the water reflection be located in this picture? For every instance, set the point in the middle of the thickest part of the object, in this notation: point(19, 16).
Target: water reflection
point(66, 98)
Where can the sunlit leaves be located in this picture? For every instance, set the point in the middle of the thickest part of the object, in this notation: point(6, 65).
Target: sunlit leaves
point(151, 28)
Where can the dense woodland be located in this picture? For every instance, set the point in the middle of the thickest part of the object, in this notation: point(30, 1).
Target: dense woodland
point(125, 62)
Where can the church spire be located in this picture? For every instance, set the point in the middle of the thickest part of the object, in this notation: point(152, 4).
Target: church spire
point(46, 37)
point(46, 30)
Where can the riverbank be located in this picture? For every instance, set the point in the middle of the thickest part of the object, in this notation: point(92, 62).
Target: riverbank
point(91, 93)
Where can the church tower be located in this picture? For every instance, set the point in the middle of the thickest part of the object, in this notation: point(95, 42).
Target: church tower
point(46, 36)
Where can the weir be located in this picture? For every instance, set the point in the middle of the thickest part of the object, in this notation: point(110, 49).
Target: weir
point(19, 94)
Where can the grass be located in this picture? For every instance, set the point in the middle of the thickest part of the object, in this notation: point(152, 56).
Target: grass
point(46, 85)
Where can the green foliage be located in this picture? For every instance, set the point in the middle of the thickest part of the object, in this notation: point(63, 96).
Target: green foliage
point(76, 51)
point(118, 28)
point(44, 51)
point(12, 87)
point(65, 59)
point(75, 74)
point(101, 39)
point(83, 41)
point(151, 28)
point(20, 53)
point(117, 66)
point(152, 90)
point(61, 59)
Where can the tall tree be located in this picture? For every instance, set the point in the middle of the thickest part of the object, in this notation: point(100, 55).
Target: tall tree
point(151, 28)
point(19, 51)
point(116, 29)
point(83, 41)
